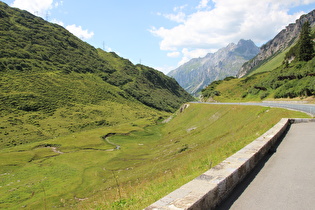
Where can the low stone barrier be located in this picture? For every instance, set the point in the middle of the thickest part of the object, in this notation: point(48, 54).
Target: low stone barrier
point(209, 189)
point(302, 120)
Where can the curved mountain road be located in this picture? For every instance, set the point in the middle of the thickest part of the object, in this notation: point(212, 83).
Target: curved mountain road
point(307, 108)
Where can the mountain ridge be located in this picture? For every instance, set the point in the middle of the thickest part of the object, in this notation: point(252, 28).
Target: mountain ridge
point(199, 72)
point(52, 83)
point(30, 43)
point(288, 75)
point(285, 38)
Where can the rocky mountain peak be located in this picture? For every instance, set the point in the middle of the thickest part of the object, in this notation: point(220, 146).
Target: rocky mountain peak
point(200, 72)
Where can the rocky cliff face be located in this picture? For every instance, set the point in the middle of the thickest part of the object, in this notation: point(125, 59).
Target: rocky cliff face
point(280, 42)
point(196, 74)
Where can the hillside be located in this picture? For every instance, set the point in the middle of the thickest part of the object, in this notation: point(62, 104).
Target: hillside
point(73, 173)
point(291, 77)
point(297, 81)
point(284, 39)
point(197, 73)
point(145, 84)
point(53, 84)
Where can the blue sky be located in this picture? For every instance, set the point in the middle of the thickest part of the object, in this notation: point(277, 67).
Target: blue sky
point(164, 34)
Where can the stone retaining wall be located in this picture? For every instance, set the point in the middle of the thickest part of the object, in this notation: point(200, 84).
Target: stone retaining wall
point(209, 189)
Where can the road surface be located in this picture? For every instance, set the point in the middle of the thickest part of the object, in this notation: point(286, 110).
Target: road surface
point(308, 108)
point(283, 180)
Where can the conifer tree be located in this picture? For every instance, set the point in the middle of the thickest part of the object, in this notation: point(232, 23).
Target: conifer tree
point(305, 46)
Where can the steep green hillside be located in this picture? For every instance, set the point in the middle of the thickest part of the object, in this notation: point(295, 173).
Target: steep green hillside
point(294, 80)
point(270, 64)
point(145, 84)
point(52, 83)
point(286, 75)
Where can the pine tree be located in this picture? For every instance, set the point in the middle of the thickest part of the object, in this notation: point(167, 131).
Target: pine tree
point(305, 46)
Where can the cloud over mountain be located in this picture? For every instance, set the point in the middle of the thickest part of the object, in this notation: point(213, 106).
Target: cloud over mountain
point(37, 7)
point(79, 32)
point(42, 8)
point(214, 24)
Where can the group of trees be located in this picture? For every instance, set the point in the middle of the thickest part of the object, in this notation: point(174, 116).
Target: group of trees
point(304, 49)
point(296, 79)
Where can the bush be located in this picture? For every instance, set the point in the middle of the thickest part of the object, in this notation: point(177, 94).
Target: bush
point(263, 95)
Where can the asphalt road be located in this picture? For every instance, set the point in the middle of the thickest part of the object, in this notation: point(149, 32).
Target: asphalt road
point(308, 108)
point(283, 180)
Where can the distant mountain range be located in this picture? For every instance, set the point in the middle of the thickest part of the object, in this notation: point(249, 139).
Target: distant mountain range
point(196, 74)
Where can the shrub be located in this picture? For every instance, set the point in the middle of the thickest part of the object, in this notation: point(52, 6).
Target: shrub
point(263, 95)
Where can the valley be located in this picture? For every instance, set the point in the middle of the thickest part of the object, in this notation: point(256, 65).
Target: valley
point(82, 128)
point(152, 161)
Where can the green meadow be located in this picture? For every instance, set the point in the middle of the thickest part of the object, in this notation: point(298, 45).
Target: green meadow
point(84, 170)
point(82, 128)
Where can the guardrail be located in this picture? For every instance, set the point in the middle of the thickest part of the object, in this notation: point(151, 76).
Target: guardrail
point(210, 188)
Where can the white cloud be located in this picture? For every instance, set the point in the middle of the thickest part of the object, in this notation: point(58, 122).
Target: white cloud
point(42, 8)
point(180, 8)
point(165, 69)
point(190, 54)
point(228, 21)
point(179, 17)
point(57, 4)
point(79, 32)
point(57, 22)
point(173, 54)
point(107, 48)
point(202, 4)
point(37, 7)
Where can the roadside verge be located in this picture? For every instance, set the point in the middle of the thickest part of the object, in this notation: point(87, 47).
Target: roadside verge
point(210, 188)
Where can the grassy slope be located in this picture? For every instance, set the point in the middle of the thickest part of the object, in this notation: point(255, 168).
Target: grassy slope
point(53, 84)
point(68, 95)
point(272, 79)
point(295, 80)
point(152, 161)
point(57, 91)
point(145, 84)
point(234, 90)
point(36, 106)
point(271, 64)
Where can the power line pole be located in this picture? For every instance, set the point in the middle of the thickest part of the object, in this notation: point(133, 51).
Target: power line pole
point(47, 16)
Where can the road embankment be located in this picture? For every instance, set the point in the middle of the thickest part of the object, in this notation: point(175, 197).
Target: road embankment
point(210, 188)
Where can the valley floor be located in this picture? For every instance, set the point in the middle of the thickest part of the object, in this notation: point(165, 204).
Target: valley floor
point(79, 171)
